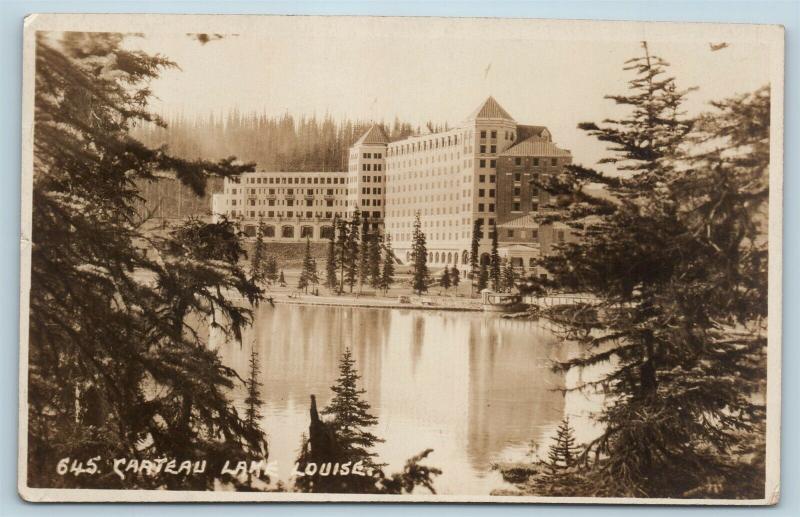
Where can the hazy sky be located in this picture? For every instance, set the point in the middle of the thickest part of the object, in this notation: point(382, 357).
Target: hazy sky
point(435, 73)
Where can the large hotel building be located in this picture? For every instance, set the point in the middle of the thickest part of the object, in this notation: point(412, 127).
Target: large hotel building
point(481, 170)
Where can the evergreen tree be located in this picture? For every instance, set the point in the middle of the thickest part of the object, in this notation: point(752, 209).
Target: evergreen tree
point(444, 279)
point(330, 263)
point(363, 254)
point(563, 454)
point(509, 277)
point(374, 261)
point(342, 241)
point(455, 276)
point(419, 253)
point(474, 250)
point(308, 273)
point(134, 376)
point(494, 261)
point(352, 248)
point(271, 269)
point(387, 273)
point(313, 274)
point(680, 279)
point(253, 400)
point(345, 439)
point(483, 278)
point(258, 260)
point(351, 416)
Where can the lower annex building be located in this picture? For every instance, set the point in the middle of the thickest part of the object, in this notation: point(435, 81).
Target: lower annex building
point(481, 170)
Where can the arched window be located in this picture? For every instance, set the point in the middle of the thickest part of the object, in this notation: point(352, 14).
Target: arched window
point(465, 258)
point(430, 256)
point(449, 258)
point(306, 232)
point(531, 262)
point(326, 232)
point(250, 230)
point(485, 259)
point(287, 232)
point(269, 231)
point(436, 258)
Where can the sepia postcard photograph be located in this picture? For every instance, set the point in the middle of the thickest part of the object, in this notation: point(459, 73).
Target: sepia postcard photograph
point(400, 259)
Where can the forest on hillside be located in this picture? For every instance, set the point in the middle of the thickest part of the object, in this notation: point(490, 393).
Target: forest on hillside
point(282, 143)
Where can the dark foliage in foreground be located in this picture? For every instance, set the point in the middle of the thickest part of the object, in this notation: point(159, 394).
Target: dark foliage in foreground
point(678, 264)
point(117, 368)
point(345, 441)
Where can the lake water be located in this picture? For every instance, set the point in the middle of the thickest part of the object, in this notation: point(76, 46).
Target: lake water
point(474, 387)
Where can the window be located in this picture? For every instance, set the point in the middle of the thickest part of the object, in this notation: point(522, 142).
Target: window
point(483, 134)
point(515, 207)
point(491, 207)
point(481, 192)
point(493, 163)
point(483, 149)
point(536, 162)
point(480, 207)
point(510, 233)
point(517, 176)
point(494, 134)
point(482, 178)
point(518, 161)
point(491, 178)
point(554, 162)
point(483, 164)
point(493, 149)
point(491, 193)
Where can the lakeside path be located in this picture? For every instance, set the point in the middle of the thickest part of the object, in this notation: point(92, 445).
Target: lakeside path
point(432, 303)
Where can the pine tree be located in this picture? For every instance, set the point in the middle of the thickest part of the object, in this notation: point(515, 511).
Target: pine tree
point(455, 276)
point(374, 261)
point(563, 454)
point(253, 400)
point(387, 272)
point(474, 250)
point(509, 277)
point(352, 247)
point(351, 416)
point(664, 263)
point(342, 251)
point(258, 261)
point(271, 269)
point(494, 261)
point(330, 263)
point(419, 251)
point(444, 279)
point(363, 254)
point(483, 278)
point(308, 273)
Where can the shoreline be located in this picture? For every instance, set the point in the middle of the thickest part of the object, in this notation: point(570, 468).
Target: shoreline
point(370, 304)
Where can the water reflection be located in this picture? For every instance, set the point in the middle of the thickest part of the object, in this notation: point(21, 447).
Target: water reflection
point(474, 387)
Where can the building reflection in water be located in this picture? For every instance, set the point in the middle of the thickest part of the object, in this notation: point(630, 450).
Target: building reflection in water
point(475, 388)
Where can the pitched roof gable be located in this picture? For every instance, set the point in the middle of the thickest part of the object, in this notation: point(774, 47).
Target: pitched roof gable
point(373, 135)
point(490, 109)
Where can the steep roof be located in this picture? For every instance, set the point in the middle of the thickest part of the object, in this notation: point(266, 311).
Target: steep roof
point(525, 131)
point(373, 135)
point(535, 146)
point(522, 221)
point(490, 109)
